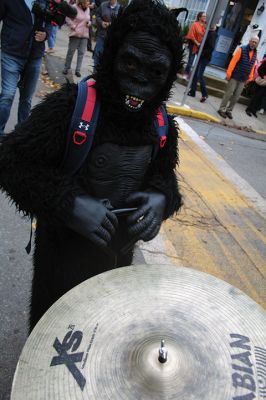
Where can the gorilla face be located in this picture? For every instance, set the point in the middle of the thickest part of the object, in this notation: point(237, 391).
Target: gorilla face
point(142, 66)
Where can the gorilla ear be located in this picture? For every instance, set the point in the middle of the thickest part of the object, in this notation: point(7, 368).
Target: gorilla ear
point(177, 11)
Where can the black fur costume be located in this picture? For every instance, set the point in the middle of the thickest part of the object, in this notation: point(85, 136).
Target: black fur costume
point(31, 155)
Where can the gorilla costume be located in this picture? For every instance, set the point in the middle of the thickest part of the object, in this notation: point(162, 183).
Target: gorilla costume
point(78, 235)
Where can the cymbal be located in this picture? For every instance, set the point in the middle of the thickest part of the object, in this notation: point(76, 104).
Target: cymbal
point(147, 332)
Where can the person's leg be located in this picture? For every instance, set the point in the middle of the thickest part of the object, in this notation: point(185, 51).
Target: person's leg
point(82, 46)
point(230, 88)
point(72, 46)
point(239, 86)
point(250, 107)
point(256, 100)
point(193, 87)
point(27, 87)
point(97, 51)
point(263, 101)
point(52, 31)
point(48, 28)
point(89, 44)
point(190, 59)
point(202, 65)
point(11, 68)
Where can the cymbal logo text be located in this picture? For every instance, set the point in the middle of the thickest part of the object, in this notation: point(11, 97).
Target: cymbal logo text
point(67, 355)
point(243, 368)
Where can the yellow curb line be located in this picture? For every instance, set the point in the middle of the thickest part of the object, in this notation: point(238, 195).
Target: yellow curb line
point(188, 112)
point(260, 132)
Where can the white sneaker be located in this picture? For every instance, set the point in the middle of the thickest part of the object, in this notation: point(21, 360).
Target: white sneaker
point(261, 111)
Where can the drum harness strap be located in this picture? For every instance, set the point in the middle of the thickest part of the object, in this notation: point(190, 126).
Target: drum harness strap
point(82, 130)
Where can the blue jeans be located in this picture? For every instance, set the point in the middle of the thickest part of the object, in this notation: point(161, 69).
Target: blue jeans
point(199, 77)
point(21, 73)
point(98, 50)
point(190, 59)
point(52, 31)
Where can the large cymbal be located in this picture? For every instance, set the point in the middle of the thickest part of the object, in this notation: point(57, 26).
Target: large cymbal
point(102, 340)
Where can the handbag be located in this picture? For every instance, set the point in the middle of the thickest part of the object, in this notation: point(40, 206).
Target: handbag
point(260, 81)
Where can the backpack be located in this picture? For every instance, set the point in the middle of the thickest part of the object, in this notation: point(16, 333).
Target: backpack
point(84, 122)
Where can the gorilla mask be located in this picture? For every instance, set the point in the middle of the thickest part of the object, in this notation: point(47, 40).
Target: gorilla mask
point(142, 66)
point(142, 54)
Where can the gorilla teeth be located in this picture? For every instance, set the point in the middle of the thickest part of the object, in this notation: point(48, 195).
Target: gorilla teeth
point(133, 102)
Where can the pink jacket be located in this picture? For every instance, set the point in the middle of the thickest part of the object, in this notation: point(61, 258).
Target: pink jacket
point(79, 26)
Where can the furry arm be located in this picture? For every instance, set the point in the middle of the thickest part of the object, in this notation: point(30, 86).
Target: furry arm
point(161, 175)
point(30, 157)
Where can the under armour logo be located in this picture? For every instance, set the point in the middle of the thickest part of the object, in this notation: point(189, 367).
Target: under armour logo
point(71, 341)
point(85, 126)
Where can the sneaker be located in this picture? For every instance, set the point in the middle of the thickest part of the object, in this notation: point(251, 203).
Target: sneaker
point(229, 114)
point(65, 71)
point(78, 74)
point(185, 76)
point(50, 51)
point(222, 113)
point(261, 111)
point(203, 99)
point(191, 94)
point(248, 113)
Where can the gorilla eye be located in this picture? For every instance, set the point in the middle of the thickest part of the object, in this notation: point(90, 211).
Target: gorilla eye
point(157, 73)
point(130, 64)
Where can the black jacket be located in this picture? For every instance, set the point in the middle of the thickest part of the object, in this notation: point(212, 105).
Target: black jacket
point(209, 45)
point(17, 36)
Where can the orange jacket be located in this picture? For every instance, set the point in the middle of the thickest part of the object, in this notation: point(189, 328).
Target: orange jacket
point(196, 32)
point(234, 61)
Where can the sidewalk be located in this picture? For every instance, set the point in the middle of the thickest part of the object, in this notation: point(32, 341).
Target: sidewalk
point(193, 107)
point(208, 111)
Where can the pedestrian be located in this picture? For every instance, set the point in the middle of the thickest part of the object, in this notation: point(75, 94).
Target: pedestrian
point(78, 36)
point(239, 72)
point(195, 35)
point(104, 14)
point(203, 62)
point(257, 101)
point(89, 43)
point(22, 48)
point(51, 29)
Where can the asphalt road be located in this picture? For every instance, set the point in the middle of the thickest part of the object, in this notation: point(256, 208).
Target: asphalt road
point(244, 152)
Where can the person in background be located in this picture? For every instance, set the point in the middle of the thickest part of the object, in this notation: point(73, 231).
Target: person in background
point(258, 100)
point(89, 43)
point(195, 35)
point(105, 12)
point(240, 70)
point(78, 36)
point(22, 48)
point(203, 62)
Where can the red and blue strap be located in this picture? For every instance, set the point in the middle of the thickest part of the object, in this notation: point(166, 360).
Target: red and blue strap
point(82, 127)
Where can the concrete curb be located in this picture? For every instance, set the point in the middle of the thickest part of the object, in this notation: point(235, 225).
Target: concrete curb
point(260, 132)
point(189, 112)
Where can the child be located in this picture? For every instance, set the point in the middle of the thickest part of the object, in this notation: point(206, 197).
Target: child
point(78, 36)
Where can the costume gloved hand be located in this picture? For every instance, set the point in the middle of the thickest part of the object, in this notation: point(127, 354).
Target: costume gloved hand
point(145, 223)
point(92, 219)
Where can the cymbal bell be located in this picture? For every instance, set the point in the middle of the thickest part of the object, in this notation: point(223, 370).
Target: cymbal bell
point(146, 332)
